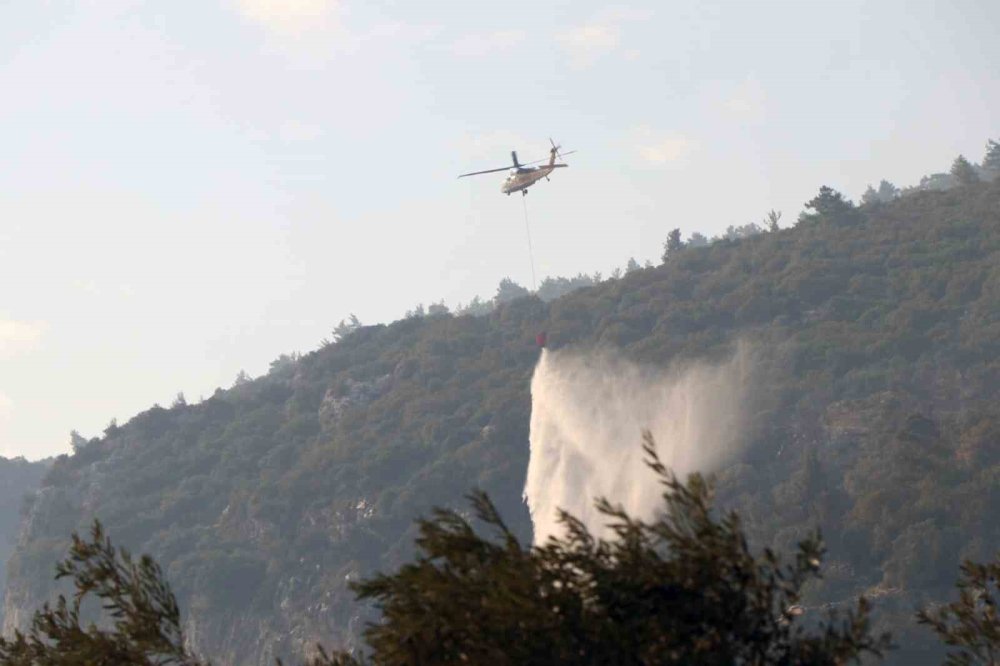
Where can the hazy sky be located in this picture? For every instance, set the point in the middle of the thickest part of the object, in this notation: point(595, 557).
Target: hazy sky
point(188, 189)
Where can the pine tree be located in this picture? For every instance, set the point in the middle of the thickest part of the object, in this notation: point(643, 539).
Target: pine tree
point(829, 206)
point(673, 244)
point(991, 160)
point(887, 191)
point(76, 441)
point(508, 290)
point(772, 219)
point(869, 197)
point(963, 171)
point(346, 327)
point(697, 239)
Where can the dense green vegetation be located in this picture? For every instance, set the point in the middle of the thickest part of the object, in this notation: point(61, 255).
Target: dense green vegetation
point(879, 332)
point(683, 589)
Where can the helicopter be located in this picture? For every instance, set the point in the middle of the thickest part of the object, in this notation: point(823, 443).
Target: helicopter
point(523, 176)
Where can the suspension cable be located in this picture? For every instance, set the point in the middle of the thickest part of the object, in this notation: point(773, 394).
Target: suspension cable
point(531, 254)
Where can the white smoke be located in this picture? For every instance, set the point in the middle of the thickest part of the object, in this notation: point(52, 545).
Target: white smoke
point(588, 411)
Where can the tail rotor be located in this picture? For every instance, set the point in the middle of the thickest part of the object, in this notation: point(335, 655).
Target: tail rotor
point(554, 151)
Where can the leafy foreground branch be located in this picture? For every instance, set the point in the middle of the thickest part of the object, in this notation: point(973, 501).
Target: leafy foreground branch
point(682, 589)
point(144, 614)
point(971, 624)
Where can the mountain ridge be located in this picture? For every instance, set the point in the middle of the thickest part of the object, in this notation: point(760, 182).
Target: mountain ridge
point(878, 327)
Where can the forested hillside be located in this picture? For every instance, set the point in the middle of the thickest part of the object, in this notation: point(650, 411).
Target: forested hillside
point(18, 478)
point(878, 330)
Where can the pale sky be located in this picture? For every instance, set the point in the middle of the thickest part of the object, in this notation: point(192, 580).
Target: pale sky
point(191, 188)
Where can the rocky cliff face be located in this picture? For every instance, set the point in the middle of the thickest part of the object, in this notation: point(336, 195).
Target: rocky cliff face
point(231, 624)
point(18, 480)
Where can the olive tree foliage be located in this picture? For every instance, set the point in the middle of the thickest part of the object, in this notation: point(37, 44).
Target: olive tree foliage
point(684, 588)
point(142, 613)
point(141, 623)
point(971, 624)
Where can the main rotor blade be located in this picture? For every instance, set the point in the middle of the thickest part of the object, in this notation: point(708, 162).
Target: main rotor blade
point(547, 159)
point(506, 168)
point(476, 173)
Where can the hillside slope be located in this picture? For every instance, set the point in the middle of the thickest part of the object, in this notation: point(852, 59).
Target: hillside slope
point(879, 334)
point(18, 478)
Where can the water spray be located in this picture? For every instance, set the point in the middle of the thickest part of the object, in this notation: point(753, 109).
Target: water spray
point(588, 412)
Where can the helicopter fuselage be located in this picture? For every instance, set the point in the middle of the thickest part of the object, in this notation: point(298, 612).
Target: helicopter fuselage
point(522, 178)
